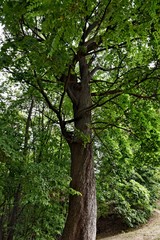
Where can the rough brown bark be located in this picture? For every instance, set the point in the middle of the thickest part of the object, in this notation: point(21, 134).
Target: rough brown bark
point(81, 220)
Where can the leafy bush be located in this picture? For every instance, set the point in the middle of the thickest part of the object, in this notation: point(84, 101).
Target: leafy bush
point(132, 202)
point(131, 197)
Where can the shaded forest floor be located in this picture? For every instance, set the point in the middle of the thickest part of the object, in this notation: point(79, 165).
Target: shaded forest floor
point(118, 231)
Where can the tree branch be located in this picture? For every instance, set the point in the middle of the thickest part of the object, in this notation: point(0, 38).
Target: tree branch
point(97, 68)
point(102, 18)
point(27, 127)
point(50, 105)
point(115, 91)
point(111, 125)
point(144, 96)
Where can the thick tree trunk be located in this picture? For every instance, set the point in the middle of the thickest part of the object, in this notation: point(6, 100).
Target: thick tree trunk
point(81, 220)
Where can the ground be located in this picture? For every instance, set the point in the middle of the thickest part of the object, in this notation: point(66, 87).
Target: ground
point(149, 231)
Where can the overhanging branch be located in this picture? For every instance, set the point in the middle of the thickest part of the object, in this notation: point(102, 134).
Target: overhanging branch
point(50, 105)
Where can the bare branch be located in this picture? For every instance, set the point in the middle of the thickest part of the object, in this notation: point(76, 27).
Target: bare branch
point(27, 127)
point(144, 97)
point(111, 125)
point(66, 81)
point(102, 18)
point(90, 28)
point(97, 68)
point(35, 31)
point(96, 51)
point(106, 93)
point(50, 105)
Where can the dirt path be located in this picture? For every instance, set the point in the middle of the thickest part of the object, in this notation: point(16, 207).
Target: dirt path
point(150, 231)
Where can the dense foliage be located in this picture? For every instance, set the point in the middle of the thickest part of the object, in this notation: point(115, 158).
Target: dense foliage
point(128, 172)
point(34, 179)
point(41, 58)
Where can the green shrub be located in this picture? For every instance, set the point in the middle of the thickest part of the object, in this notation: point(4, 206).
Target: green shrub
point(131, 195)
point(132, 202)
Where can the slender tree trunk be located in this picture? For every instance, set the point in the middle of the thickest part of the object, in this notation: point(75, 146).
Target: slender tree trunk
point(17, 197)
point(81, 220)
point(14, 214)
point(1, 227)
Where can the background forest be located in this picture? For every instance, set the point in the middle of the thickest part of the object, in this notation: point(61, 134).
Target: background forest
point(34, 155)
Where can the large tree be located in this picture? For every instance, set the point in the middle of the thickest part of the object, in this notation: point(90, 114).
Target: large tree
point(92, 55)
